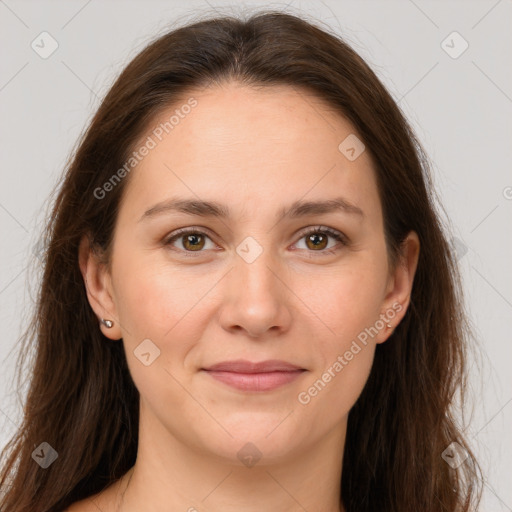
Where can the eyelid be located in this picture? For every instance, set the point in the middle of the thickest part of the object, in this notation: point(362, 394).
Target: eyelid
point(333, 233)
point(323, 229)
point(187, 230)
point(178, 233)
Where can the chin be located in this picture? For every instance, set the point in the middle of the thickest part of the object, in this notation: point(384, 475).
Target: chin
point(266, 441)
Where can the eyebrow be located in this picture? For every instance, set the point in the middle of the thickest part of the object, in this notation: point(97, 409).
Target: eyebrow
point(214, 209)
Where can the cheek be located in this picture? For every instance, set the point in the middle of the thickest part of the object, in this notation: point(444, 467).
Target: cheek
point(168, 308)
point(155, 297)
point(332, 392)
point(348, 300)
point(344, 356)
point(160, 305)
point(172, 307)
point(350, 306)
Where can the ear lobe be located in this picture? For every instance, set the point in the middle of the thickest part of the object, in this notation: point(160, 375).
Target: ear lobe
point(98, 286)
point(400, 284)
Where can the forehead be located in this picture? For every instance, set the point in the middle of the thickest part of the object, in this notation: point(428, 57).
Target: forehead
point(253, 145)
point(240, 119)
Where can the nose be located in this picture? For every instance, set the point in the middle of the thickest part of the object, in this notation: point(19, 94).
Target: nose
point(257, 299)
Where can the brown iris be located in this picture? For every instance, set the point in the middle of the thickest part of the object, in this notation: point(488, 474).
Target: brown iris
point(314, 238)
point(190, 242)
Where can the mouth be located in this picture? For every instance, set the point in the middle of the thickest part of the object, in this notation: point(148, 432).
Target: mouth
point(254, 376)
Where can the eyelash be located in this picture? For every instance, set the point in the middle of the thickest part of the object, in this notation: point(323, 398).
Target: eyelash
point(338, 236)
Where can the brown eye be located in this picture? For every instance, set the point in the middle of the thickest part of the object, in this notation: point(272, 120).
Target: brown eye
point(189, 241)
point(193, 242)
point(317, 241)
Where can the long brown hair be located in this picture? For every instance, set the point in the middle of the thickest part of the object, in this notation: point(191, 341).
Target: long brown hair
point(82, 400)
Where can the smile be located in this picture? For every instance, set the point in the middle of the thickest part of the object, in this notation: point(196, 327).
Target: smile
point(265, 381)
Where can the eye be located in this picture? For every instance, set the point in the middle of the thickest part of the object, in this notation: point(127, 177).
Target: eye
point(193, 240)
point(317, 239)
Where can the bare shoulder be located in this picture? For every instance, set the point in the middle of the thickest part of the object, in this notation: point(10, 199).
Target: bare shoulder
point(85, 505)
point(101, 501)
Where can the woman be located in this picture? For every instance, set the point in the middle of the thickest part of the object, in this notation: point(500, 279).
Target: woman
point(248, 302)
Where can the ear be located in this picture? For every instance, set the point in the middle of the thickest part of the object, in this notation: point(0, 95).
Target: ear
point(98, 284)
point(399, 286)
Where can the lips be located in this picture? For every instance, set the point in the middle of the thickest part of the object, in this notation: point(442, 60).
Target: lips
point(243, 366)
point(254, 376)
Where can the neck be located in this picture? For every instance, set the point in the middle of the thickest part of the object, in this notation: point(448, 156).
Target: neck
point(174, 476)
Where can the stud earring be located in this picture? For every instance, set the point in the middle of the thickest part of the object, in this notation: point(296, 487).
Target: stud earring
point(389, 326)
point(107, 323)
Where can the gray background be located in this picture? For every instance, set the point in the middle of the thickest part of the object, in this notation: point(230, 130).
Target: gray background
point(460, 108)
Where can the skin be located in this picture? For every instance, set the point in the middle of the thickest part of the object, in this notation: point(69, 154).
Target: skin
point(255, 150)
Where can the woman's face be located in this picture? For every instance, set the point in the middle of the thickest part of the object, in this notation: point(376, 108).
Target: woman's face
point(266, 280)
